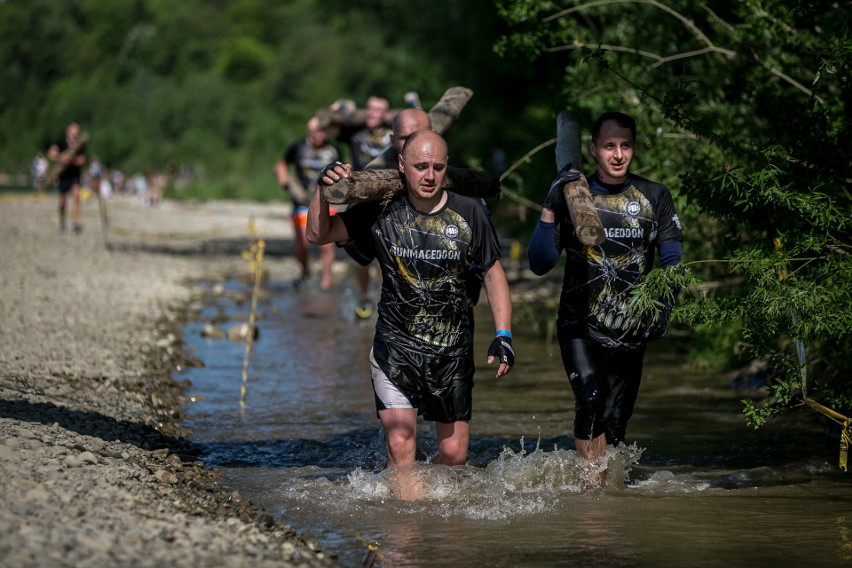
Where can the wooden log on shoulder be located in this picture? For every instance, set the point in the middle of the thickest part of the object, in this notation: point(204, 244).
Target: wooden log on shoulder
point(372, 185)
point(447, 110)
point(578, 196)
point(587, 224)
point(345, 117)
point(381, 179)
point(444, 114)
point(568, 141)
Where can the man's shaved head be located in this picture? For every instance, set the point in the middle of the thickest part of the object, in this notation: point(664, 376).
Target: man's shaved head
point(424, 138)
point(405, 123)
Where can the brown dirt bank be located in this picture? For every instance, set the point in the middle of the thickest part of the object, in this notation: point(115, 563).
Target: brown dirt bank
point(95, 468)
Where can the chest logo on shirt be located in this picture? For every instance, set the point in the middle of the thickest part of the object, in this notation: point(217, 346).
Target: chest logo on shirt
point(633, 208)
point(451, 231)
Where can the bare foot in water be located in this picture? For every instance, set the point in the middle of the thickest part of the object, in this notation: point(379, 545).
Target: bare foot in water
point(593, 474)
point(406, 483)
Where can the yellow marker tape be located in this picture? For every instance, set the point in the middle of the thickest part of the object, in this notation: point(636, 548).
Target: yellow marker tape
point(255, 258)
point(845, 433)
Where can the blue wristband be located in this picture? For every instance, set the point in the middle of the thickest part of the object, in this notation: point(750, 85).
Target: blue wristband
point(504, 333)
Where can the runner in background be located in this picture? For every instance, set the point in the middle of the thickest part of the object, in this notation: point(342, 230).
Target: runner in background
point(365, 145)
point(308, 156)
point(69, 152)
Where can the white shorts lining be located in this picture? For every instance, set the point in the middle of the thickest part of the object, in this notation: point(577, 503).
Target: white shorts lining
point(387, 392)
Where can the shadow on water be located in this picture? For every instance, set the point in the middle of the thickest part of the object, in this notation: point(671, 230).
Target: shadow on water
point(346, 450)
point(694, 486)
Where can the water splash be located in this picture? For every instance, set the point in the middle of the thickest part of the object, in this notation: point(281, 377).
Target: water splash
point(688, 479)
point(562, 470)
point(667, 482)
point(515, 484)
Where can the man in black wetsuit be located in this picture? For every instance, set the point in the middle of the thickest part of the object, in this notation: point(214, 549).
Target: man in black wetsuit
point(602, 345)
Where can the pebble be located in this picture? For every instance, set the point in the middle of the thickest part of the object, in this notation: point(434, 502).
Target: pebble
point(164, 476)
point(7, 454)
point(81, 459)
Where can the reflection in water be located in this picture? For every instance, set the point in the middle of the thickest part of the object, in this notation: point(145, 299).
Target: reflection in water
point(694, 486)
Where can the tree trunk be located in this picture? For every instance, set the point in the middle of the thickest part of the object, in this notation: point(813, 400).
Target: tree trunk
point(578, 196)
point(371, 185)
point(382, 181)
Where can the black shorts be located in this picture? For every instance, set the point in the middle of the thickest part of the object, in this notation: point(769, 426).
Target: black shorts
point(439, 387)
point(66, 183)
point(605, 384)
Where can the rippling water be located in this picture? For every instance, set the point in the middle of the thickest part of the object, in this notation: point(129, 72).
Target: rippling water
point(694, 487)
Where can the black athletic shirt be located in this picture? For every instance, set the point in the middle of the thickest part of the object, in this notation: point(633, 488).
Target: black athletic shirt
point(366, 145)
point(598, 280)
point(72, 171)
point(424, 260)
point(309, 162)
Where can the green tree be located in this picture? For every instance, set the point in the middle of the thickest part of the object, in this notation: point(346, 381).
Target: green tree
point(744, 112)
point(224, 86)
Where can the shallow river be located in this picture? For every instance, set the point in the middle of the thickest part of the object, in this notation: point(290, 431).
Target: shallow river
point(694, 487)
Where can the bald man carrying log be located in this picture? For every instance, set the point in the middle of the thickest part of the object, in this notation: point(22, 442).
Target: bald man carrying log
point(426, 241)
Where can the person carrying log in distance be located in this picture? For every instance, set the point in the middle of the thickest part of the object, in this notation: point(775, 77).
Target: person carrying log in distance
point(366, 144)
point(404, 124)
point(425, 241)
point(69, 153)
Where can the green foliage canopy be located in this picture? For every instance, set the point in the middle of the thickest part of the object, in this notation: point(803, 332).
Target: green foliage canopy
point(744, 111)
point(224, 86)
point(743, 108)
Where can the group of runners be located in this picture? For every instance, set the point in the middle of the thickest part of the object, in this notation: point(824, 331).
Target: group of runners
point(427, 242)
point(430, 243)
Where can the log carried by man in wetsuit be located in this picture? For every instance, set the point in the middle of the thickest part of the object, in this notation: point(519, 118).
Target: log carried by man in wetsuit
point(575, 187)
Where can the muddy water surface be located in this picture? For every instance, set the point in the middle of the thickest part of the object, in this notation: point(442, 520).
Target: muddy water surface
point(694, 487)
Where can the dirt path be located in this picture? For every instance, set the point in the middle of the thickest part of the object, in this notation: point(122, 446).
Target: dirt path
point(95, 470)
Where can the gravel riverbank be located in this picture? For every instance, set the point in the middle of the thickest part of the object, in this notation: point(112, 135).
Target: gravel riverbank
point(96, 469)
